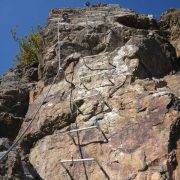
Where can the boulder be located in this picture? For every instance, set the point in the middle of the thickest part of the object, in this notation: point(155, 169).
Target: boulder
point(153, 61)
point(137, 21)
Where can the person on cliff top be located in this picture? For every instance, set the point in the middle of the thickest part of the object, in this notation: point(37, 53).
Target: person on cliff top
point(87, 4)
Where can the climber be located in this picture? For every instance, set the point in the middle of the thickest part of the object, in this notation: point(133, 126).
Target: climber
point(65, 17)
point(88, 4)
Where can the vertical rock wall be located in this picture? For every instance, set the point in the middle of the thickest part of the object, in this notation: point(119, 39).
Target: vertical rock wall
point(118, 74)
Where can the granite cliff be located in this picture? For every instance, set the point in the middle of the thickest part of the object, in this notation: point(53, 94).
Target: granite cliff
point(119, 78)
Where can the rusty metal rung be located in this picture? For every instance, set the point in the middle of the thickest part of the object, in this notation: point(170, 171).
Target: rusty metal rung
point(94, 74)
point(82, 129)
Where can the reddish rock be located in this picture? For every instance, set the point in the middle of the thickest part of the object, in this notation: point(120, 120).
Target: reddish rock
point(170, 21)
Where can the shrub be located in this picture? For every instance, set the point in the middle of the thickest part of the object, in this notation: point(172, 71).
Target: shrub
point(29, 48)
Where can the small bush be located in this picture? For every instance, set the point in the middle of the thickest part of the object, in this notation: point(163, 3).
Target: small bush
point(29, 47)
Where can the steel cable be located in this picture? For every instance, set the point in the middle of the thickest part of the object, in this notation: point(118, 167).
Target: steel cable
point(28, 126)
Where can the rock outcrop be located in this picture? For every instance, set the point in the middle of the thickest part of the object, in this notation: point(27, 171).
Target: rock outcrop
point(14, 102)
point(171, 23)
point(119, 78)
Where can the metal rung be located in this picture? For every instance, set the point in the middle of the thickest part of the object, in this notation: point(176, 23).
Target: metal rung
point(83, 160)
point(98, 87)
point(82, 129)
point(77, 160)
point(92, 56)
point(102, 86)
point(97, 69)
point(93, 75)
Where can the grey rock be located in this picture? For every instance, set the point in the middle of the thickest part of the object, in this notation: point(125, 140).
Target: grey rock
point(4, 144)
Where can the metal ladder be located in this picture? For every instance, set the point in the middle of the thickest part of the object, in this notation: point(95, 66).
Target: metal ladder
point(82, 159)
point(78, 130)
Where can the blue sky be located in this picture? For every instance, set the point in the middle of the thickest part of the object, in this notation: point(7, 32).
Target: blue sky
point(26, 14)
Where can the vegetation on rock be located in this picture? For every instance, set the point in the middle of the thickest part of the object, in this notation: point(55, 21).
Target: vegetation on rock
point(116, 73)
point(29, 48)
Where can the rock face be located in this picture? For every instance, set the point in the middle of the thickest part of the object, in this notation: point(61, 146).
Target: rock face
point(92, 31)
point(138, 122)
point(116, 80)
point(14, 102)
point(170, 22)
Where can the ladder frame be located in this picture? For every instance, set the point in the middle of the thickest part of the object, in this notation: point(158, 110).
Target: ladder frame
point(88, 128)
point(80, 129)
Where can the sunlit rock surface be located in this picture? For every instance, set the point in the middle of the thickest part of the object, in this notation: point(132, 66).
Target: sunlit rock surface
point(120, 74)
point(170, 22)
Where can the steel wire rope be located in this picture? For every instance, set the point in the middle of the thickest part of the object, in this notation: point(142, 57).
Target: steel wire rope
point(19, 138)
point(15, 143)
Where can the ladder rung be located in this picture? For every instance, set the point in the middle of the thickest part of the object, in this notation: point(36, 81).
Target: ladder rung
point(98, 87)
point(82, 129)
point(77, 160)
point(102, 86)
point(94, 74)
